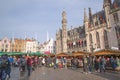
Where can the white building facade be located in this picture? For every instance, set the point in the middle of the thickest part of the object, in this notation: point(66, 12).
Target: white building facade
point(31, 46)
point(48, 46)
point(5, 45)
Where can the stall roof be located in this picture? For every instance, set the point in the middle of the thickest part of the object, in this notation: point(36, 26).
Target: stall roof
point(107, 52)
point(62, 54)
point(80, 53)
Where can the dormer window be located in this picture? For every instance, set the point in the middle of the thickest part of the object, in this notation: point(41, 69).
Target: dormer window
point(5, 41)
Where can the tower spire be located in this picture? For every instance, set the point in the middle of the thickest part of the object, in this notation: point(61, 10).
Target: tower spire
point(64, 32)
point(64, 20)
point(106, 3)
point(47, 36)
point(85, 15)
point(90, 16)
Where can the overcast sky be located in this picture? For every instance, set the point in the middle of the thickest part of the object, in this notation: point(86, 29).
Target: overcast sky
point(36, 17)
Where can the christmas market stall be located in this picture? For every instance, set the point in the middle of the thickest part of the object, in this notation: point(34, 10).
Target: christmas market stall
point(79, 56)
point(112, 58)
point(107, 52)
point(62, 55)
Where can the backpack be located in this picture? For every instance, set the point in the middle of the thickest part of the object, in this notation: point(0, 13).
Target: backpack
point(29, 62)
point(23, 62)
point(4, 63)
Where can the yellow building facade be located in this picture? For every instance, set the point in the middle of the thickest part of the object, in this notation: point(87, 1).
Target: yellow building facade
point(18, 45)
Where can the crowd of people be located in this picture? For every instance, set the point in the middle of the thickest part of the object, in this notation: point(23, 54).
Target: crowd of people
point(27, 64)
point(100, 63)
point(31, 63)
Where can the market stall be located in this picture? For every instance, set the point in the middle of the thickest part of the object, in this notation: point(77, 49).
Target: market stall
point(107, 52)
point(80, 53)
point(112, 58)
point(62, 55)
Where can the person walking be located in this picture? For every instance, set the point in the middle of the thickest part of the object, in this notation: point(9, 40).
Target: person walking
point(55, 63)
point(22, 63)
point(29, 65)
point(76, 63)
point(85, 64)
point(118, 63)
point(65, 62)
point(72, 63)
point(112, 62)
point(90, 63)
point(39, 62)
point(4, 67)
point(96, 64)
point(102, 64)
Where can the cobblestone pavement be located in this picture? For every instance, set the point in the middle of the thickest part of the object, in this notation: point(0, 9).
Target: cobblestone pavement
point(44, 73)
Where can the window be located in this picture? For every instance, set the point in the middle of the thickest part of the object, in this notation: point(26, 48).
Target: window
point(5, 41)
point(85, 44)
point(13, 45)
point(2, 45)
point(106, 40)
point(116, 18)
point(6, 46)
point(15, 50)
point(98, 40)
point(5, 50)
point(2, 50)
point(90, 38)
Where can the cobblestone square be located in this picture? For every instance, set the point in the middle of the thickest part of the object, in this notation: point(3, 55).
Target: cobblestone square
point(44, 73)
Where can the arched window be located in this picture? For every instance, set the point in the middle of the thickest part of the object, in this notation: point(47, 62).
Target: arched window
point(91, 42)
point(82, 44)
point(98, 40)
point(85, 43)
point(117, 29)
point(90, 38)
point(106, 40)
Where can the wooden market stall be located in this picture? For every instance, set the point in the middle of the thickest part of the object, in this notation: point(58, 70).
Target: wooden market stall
point(106, 52)
point(62, 55)
point(80, 53)
point(52, 55)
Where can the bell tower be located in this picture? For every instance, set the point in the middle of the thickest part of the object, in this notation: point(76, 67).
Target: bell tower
point(85, 20)
point(64, 32)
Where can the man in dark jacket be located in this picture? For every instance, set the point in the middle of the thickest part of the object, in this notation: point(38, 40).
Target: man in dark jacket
point(29, 66)
point(5, 67)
